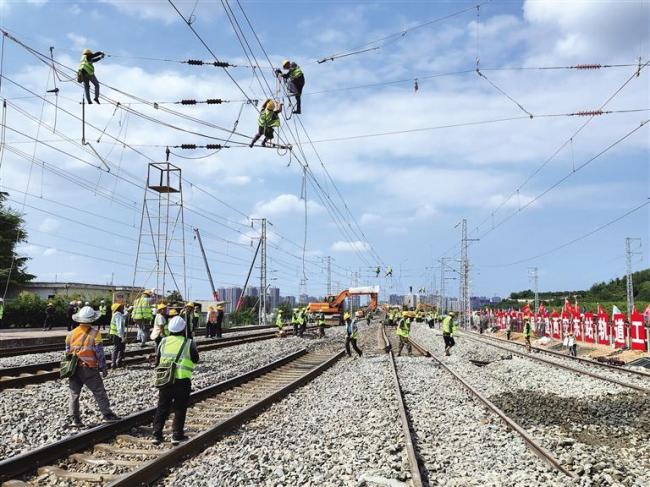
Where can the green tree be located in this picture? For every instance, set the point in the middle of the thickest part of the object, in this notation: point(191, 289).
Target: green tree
point(643, 293)
point(12, 232)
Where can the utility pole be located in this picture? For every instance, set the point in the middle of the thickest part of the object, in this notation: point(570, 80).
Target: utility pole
point(629, 252)
point(263, 290)
point(329, 275)
point(465, 301)
point(215, 295)
point(533, 276)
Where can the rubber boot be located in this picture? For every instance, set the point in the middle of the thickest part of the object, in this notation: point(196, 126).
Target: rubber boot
point(255, 139)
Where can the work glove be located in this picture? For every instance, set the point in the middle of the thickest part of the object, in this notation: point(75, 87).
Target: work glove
point(278, 72)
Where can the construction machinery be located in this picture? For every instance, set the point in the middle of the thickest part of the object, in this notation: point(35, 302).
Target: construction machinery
point(333, 305)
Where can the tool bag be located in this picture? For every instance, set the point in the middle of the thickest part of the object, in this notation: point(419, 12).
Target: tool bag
point(68, 365)
point(166, 373)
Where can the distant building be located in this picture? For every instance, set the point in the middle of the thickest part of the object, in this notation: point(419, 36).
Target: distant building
point(232, 297)
point(395, 300)
point(222, 293)
point(290, 300)
point(478, 302)
point(274, 297)
point(45, 290)
point(252, 292)
point(495, 300)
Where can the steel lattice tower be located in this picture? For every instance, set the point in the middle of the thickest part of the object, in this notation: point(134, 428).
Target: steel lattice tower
point(162, 232)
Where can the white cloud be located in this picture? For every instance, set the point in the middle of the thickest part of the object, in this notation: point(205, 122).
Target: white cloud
point(285, 204)
point(78, 41)
point(369, 219)
point(354, 246)
point(49, 225)
point(160, 10)
point(48, 252)
point(237, 180)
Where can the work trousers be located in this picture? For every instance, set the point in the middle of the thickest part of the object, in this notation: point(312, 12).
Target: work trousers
point(508, 333)
point(118, 351)
point(573, 350)
point(295, 328)
point(142, 331)
point(404, 341)
point(210, 329)
point(91, 79)
point(449, 340)
point(302, 329)
point(321, 331)
point(91, 378)
point(173, 396)
point(295, 86)
point(353, 341)
point(47, 324)
point(71, 324)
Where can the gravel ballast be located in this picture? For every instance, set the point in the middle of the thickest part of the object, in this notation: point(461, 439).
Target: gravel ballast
point(338, 430)
point(37, 415)
point(599, 430)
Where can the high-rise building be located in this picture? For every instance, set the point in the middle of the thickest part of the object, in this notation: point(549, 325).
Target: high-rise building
point(252, 292)
point(232, 296)
point(222, 293)
point(274, 297)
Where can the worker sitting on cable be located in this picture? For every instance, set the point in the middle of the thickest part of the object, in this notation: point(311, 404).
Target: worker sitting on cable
point(295, 81)
point(86, 72)
point(267, 121)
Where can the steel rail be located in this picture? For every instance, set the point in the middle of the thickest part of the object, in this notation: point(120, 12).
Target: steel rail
point(535, 447)
point(28, 462)
point(563, 366)
point(152, 470)
point(407, 427)
point(568, 357)
point(47, 371)
point(55, 347)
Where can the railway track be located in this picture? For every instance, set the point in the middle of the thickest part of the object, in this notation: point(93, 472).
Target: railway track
point(13, 377)
point(612, 374)
point(60, 344)
point(121, 453)
point(531, 443)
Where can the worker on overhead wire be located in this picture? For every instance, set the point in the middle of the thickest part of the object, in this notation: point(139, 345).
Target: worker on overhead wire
point(295, 80)
point(267, 122)
point(377, 271)
point(389, 272)
point(86, 72)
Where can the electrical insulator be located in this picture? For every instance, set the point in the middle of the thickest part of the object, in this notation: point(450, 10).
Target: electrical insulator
point(214, 146)
point(214, 101)
point(589, 113)
point(588, 66)
point(196, 62)
point(188, 102)
point(188, 146)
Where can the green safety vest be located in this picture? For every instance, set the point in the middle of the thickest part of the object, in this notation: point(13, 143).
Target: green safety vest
point(268, 118)
point(102, 310)
point(112, 330)
point(169, 347)
point(295, 71)
point(404, 328)
point(448, 326)
point(142, 309)
point(528, 330)
point(321, 320)
point(2, 310)
point(278, 321)
point(86, 66)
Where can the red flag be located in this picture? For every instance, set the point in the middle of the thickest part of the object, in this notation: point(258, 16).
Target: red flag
point(542, 310)
point(526, 309)
point(568, 309)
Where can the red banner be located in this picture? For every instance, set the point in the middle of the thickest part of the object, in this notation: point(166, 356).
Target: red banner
point(555, 319)
point(590, 332)
point(637, 332)
point(547, 325)
point(619, 331)
point(565, 324)
point(577, 327)
point(603, 330)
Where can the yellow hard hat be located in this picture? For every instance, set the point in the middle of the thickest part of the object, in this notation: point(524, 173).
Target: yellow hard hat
point(161, 306)
point(87, 51)
point(115, 307)
point(219, 308)
point(173, 312)
point(270, 105)
point(286, 63)
point(405, 314)
point(147, 292)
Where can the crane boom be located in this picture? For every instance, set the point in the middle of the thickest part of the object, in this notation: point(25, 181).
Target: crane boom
point(215, 294)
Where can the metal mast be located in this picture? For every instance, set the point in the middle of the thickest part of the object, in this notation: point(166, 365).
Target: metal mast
point(629, 252)
point(215, 294)
point(465, 301)
point(263, 290)
point(533, 276)
point(329, 275)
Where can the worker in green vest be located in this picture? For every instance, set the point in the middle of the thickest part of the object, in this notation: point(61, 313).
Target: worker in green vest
point(527, 332)
point(278, 320)
point(320, 322)
point(103, 314)
point(2, 309)
point(117, 331)
point(142, 315)
point(295, 79)
point(267, 122)
point(86, 72)
point(352, 334)
point(449, 327)
point(302, 316)
point(295, 320)
point(182, 351)
point(403, 331)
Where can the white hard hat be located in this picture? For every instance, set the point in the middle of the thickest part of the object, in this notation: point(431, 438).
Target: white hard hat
point(176, 324)
point(85, 315)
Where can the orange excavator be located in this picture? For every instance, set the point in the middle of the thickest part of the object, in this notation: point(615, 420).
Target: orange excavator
point(333, 304)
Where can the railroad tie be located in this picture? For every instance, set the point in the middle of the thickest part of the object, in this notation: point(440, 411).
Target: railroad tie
point(96, 462)
point(105, 447)
point(67, 474)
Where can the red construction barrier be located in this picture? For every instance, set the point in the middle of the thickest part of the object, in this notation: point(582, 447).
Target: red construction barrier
point(603, 330)
point(577, 328)
point(637, 332)
point(555, 319)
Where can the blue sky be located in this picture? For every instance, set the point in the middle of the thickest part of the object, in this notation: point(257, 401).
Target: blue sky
point(406, 191)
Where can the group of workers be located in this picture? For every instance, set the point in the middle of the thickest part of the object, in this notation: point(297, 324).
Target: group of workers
point(269, 117)
point(299, 320)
